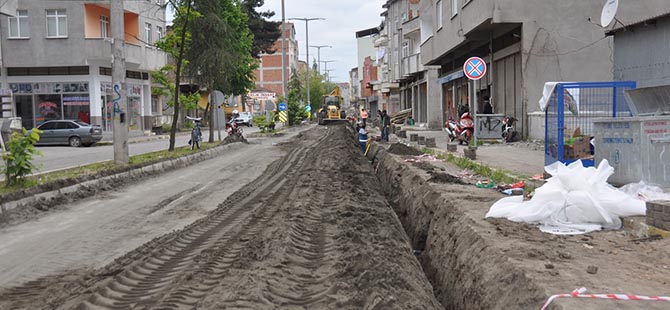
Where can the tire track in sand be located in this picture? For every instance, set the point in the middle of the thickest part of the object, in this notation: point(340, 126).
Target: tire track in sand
point(149, 281)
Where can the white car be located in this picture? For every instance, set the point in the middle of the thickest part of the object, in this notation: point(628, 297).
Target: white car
point(245, 118)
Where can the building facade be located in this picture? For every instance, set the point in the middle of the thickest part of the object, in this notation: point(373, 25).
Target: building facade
point(649, 66)
point(367, 68)
point(56, 58)
point(269, 73)
point(354, 86)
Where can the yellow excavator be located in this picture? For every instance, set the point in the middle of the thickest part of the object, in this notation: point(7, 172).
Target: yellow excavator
point(331, 108)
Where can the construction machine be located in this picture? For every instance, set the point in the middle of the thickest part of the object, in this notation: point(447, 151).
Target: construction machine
point(331, 108)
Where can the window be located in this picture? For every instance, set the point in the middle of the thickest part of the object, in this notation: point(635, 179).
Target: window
point(147, 33)
point(438, 14)
point(56, 24)
point(104, 26)
point(18, 26)
point(405, 49)
point(159, 33)
point(454, 7)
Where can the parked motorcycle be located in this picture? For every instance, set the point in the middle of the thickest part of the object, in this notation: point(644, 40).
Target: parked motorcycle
point(509, 134)
point(461, 130)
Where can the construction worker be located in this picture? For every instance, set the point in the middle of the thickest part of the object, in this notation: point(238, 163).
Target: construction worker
point(362, 135)
point(364, 117)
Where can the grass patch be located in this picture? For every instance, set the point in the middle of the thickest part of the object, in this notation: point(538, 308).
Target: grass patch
point(497, 175)
point(96, 168)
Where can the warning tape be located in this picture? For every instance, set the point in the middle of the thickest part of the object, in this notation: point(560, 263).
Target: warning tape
point(579, 293)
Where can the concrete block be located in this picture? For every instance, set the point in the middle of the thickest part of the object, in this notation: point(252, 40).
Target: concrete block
point(422, 140)
point(651, 221)
point(430, 142)
point(414, 137)
point(402, 134)
point(452, 147)
point(470, 153)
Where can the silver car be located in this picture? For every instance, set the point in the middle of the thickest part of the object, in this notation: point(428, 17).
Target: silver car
point(245, 118)
point(67, 132)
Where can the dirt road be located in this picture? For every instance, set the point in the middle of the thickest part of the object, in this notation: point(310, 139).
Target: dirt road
point(312, 232)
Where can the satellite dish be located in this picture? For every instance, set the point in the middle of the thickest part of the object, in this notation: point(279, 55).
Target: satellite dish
point(609, 11)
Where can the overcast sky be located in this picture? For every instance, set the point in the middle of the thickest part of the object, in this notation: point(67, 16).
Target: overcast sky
point(343, 19)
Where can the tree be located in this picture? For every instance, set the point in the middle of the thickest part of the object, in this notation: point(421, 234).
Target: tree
point(296, 108)
point(175, 43)
point(265, 32)
point(220, 52)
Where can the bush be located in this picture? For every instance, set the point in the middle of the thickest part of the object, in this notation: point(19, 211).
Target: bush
point(19, 155)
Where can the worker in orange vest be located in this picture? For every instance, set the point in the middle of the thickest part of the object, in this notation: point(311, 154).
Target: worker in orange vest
point(364, 116)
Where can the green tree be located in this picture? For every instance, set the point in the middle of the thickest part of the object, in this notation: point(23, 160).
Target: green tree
point(176, 44)
point(265, 32)
point(220, 52)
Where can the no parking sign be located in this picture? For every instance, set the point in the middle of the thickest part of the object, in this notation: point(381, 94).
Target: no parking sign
point(474, 68)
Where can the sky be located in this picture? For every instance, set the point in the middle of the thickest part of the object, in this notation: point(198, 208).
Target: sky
point(343, 19)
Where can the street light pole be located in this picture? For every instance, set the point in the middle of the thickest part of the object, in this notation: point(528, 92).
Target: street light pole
point(307, 20)
point(283, 49)
point(328, 73)
point(318, 50)
point(120, 103)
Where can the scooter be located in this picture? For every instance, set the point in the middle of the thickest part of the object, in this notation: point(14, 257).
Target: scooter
point(509, 134)
point(462, 130)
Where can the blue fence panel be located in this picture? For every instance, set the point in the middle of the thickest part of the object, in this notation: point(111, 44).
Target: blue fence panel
point(575, 108)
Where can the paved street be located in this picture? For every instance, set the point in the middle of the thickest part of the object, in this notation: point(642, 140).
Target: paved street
point(60, 157)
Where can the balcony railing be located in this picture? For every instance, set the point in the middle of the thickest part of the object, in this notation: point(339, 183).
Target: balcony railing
point(412, 64)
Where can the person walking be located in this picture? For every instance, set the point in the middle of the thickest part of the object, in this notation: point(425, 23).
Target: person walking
point(386, 123)
point(362, 136)
point(364, 117)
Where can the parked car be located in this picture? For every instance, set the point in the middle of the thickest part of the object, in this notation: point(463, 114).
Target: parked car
point(245, 118)
point(68, 132)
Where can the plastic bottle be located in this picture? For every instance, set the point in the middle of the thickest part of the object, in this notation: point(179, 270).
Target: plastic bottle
point(513, 191)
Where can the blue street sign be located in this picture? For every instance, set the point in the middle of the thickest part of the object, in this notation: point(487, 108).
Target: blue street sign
point(282, 106)
point(308, 108)
point(474, 68)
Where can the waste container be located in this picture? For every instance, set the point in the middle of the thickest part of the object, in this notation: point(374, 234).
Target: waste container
point(638, 147)
point(570, 111)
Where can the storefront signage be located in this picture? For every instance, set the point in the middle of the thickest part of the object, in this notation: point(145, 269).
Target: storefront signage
point(75, 100)
point(262, 95)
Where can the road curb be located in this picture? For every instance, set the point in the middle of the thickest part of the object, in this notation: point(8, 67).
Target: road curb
point(89, 188)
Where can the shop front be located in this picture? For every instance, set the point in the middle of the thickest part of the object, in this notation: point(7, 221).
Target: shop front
point(37, 103)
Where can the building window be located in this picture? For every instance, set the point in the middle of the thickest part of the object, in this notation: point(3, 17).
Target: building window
point(438, 14)
point(159, 33)
point(18, 26)
point(147, 33)
point(56, 24)
point(454, 7)
point(104, 26)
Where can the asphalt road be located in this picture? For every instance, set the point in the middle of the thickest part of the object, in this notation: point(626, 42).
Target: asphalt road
point(60, 157)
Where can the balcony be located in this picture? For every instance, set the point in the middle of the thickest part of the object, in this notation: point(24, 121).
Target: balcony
point(411, 26)
point(411, 65)
point(138, 57)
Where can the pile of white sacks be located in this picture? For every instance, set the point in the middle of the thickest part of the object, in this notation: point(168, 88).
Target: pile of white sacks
point(576, 200)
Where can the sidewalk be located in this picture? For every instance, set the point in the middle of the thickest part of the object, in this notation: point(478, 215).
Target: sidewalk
point(520, 158)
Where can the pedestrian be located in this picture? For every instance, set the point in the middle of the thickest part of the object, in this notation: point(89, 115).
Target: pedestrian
point(488, 108)
point(386, 123)
point(364, 116)
point(379, 116)
point(362, 136)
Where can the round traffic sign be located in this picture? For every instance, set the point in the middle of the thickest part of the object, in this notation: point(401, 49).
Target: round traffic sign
point(474, 68)
point(282, 106)
point(308, 108)
point(216, 97)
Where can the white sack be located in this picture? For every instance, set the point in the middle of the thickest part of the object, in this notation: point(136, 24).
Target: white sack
point(574, 200)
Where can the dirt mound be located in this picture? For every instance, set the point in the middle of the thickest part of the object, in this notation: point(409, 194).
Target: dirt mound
point(233, 139)
point(445, 178)
point(313, 232)
point(402, 149)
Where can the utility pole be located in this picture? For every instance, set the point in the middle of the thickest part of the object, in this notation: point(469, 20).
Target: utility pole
point(120, 108)
point(307, 20)
point(328, 74)
point(283, 49)
point(318, 51)
point(326, 62)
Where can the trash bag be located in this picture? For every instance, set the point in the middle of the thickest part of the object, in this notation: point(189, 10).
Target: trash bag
point(574, 200)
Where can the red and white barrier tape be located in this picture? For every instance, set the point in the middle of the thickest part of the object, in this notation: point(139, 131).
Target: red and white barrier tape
point(579, 293)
